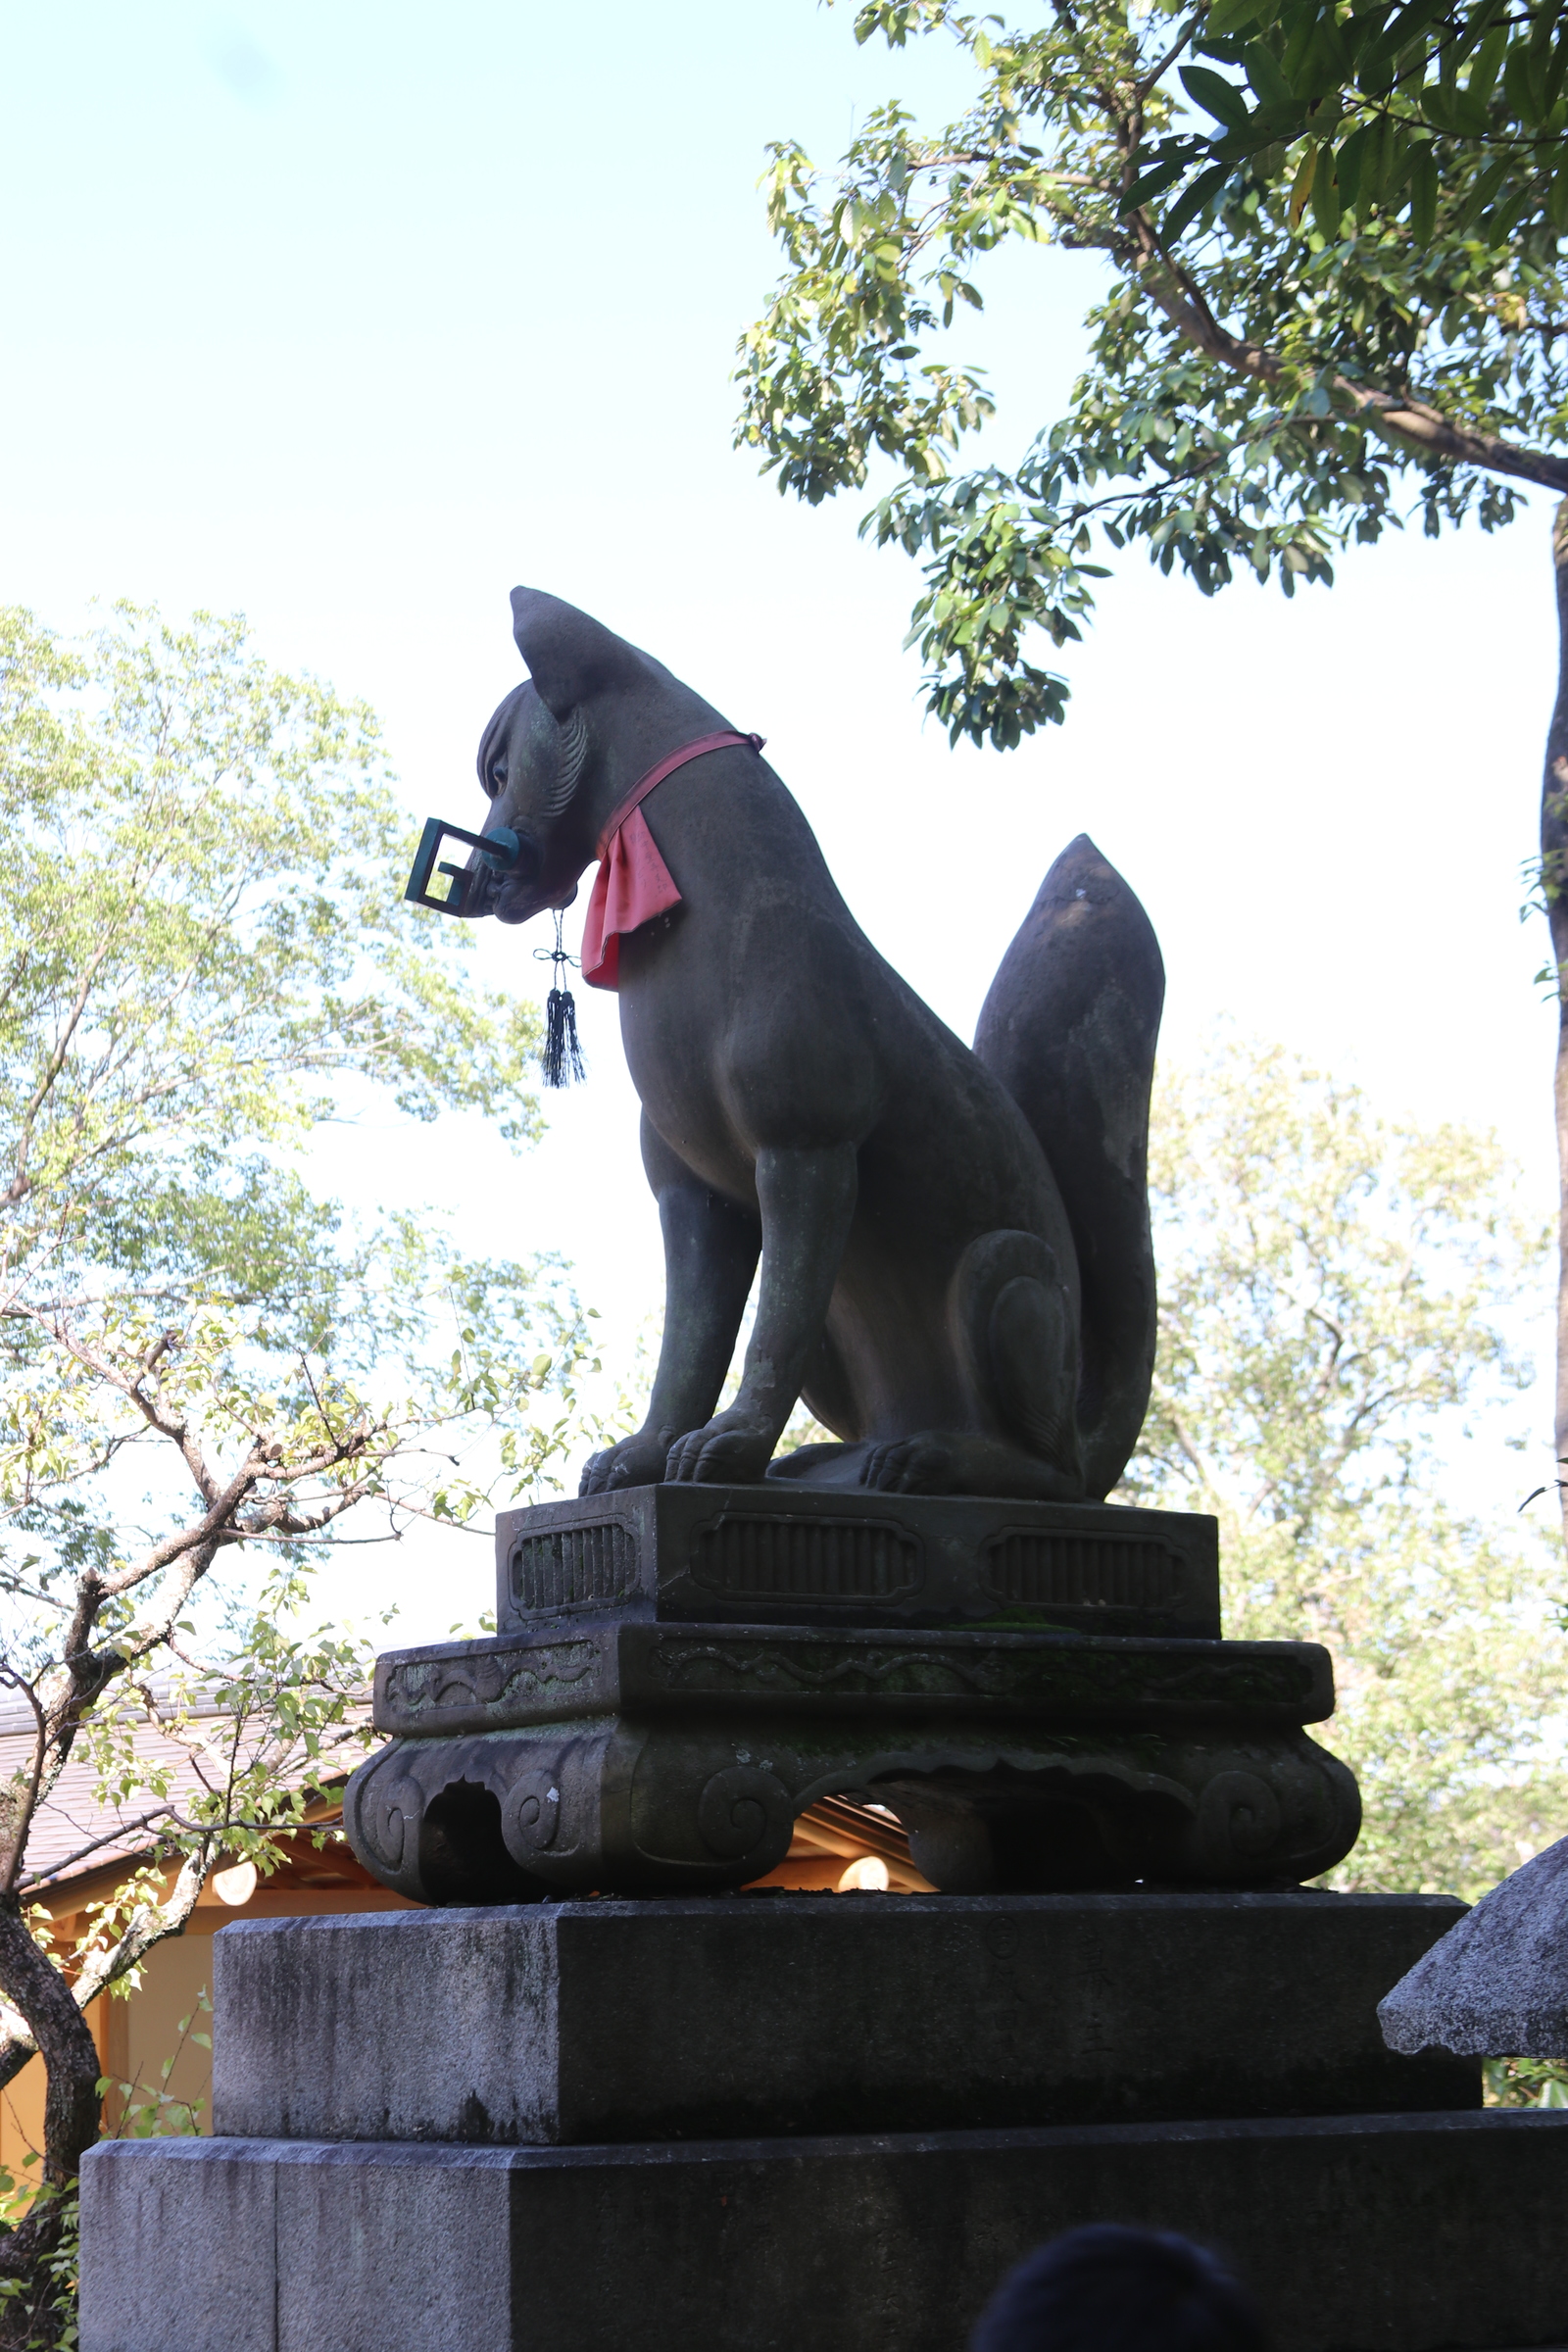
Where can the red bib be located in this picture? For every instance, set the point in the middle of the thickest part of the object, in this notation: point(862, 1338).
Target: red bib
point(633, 883)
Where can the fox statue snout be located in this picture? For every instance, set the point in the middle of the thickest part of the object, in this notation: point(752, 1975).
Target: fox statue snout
point(514, 860)
point(957, 1274)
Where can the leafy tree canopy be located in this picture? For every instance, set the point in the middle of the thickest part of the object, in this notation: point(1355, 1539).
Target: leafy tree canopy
point(205, 955)
point(1334, 298)
point(202, 937)
point(1334, 1296)
point(1382, 74)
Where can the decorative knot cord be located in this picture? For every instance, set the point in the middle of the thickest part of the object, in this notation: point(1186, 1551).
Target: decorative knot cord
point(632, 886)
point(562, 1060)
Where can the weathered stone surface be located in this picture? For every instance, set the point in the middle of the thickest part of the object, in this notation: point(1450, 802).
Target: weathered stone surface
point(780, 1551)
point(784, 2014)
point(1388, 2233)
point(220, 2219)
point(1496, 1986)
point(241, 2246)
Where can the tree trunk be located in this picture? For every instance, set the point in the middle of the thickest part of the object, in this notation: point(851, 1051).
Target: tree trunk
point(34, 1986)
point(1555, 882)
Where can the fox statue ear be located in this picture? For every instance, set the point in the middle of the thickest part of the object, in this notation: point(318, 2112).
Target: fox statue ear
point(569, 654)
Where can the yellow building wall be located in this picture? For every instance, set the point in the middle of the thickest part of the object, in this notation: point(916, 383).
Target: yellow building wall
point(161, 2020)
point(134, 2038)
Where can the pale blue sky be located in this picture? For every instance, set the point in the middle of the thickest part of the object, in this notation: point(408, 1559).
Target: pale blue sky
point(350, 316)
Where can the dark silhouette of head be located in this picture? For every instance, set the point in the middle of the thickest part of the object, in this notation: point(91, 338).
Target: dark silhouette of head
point(1110, 2289)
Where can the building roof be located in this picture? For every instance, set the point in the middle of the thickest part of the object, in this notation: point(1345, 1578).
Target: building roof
point(76, 1831)
point(76, 1834)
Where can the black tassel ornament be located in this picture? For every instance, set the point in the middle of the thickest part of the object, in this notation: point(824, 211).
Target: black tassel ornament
point(562, 1060)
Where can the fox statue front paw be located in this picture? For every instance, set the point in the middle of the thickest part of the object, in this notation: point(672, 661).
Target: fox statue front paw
point(731, 1451)
point(637, 1461)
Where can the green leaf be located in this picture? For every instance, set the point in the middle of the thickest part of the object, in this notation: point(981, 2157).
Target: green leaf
point(1401, 28)
point(1483, 193)
point(1365, 26)
point(1263, 72)
point(1557, 200)
point(1516, 81)
point(1326, 66)
point(1557, 71)
point(1471, 113)
point(1348, 161)
point(1423, 196)
point(1438, 106)
point(1182, 214)
point(1487, 62)
point(1236, 15)
point(1150, 183)
point(1215, 95)
point(1326, 197)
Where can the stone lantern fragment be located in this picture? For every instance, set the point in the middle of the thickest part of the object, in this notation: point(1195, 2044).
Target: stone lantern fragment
point(1496, 1985)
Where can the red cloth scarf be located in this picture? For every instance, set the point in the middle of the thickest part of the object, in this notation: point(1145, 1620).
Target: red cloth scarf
point(633, 883)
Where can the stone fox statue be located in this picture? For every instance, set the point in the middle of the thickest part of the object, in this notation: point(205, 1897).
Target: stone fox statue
point(957, 1274)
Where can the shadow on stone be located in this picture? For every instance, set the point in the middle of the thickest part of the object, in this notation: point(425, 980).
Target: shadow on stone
point(463, 1854)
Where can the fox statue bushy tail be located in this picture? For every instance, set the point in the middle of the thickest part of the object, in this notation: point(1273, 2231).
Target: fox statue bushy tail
point(1069, 1027)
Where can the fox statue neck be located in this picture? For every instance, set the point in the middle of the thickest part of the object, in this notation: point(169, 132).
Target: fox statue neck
point(630, 755)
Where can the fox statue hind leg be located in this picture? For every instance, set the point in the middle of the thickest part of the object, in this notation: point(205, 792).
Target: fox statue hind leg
point(1014, 1316)
point(1069, 1027)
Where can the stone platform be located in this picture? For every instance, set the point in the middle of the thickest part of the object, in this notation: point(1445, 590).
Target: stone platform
point(1393, 2233)
point(777, 2012)
point(1039, 1693)
point(748, 2123)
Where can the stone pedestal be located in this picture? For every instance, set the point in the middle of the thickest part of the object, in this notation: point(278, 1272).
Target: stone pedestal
point(1039, 1693)
point(726, 2121)
point(748, 2123)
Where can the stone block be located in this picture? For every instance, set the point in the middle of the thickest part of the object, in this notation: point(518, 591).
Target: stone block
point(798, 2014)
point(1496, 1985)
point(187, 2243)
point(779, 1550)
point(1389, 2234)
point(235, 2246)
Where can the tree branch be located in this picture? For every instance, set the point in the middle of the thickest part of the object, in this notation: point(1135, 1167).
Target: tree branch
point(1412, 423)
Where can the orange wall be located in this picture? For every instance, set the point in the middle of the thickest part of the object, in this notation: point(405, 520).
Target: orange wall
point(137, 2033)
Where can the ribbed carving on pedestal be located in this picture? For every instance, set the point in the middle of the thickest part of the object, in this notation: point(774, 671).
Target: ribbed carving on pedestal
point(809, 1559)
point(572, 1567)
point(1030, 1568)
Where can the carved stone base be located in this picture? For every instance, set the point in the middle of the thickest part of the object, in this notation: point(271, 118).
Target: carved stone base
point(784, 1553)
point(991, 1798)
point(608, 1740)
